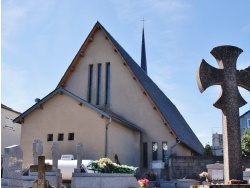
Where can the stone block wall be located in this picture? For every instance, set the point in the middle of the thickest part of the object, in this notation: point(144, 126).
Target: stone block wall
point(190, 167)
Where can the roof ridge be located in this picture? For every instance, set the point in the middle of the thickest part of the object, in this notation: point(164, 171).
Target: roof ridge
point(51, 94)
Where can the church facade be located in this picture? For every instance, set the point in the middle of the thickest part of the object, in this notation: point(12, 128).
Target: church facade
point(107, 102)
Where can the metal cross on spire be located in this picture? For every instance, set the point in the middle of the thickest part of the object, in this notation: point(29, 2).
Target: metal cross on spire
point(143, 20)
point(229, 102)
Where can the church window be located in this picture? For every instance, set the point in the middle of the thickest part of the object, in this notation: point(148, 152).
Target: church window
point(145, 154)
point(71, 136)
point(107, 92)
point(60, 137)
point(164, 151)
point(154, 150)
point(99, 82)
point(50, 137)
point(90, 83)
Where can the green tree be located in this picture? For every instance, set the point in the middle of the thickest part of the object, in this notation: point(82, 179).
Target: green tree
point(208, 150)
point(245, 143)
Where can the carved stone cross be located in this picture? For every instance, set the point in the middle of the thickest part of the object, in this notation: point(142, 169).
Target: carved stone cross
point(229, 102)
point(41, 168)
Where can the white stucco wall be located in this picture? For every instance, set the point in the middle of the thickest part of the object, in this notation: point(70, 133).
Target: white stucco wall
point(10, 132)
point(63, 114)
point(127, 98)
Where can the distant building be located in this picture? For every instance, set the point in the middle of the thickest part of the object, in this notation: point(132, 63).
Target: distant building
point(244, 122)
point(217, 144)
point(217, 139)
point(10, 132)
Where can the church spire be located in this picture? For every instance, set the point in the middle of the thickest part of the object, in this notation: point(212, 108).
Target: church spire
point(143, 52)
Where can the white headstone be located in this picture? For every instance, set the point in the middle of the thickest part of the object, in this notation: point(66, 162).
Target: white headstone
point(217, 175)
point(215, 171)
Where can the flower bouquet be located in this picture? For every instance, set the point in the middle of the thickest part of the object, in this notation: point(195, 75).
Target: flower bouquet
point(143, 182)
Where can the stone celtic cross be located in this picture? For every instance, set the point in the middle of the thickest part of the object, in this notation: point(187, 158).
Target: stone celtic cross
point(41, 168)
point(229, 102)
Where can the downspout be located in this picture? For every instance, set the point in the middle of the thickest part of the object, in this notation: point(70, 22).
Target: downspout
point(106, 137)
point(141, 150)
point(169, 162)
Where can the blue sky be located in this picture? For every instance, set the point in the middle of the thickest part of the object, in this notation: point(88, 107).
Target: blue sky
point(40, 39)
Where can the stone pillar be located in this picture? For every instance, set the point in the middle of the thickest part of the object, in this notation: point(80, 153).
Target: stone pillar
point(79, 155)
point(55, 155)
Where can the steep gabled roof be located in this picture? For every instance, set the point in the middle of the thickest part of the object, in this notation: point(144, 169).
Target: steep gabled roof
point(166, 108)
point(169, 111)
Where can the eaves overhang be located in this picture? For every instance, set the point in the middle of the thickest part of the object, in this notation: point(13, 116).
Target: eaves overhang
point(61, 90)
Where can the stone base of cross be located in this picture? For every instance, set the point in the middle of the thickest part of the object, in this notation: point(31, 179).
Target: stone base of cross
point(41, 184)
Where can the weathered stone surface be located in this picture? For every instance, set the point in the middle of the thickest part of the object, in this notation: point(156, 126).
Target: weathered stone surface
point(12, 167)
point(79, 155)
point(55, 156)
point(229, 102)
point(94, 180)
point(41, 168)
point(37, 150)
point(215, 171)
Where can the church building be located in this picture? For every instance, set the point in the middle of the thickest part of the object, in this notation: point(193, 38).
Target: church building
point(109, 104)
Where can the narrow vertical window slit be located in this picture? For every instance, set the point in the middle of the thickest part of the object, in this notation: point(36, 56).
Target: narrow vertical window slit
point(107, 92)
point(90, 83)
point(99, 82)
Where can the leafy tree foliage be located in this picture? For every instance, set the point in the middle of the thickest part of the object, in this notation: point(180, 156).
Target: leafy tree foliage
point(208, 150)
point(245, 143)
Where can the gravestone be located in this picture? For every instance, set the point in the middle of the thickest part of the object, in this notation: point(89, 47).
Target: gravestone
point(79, 154)
point(37, 150)
point(246, 175)
point(229, 102)
point(54, 176)
point(55, 155)
point(215, 171)
point(41, 168)
point(12, 167)
point(157, 166)
point(80, 168)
